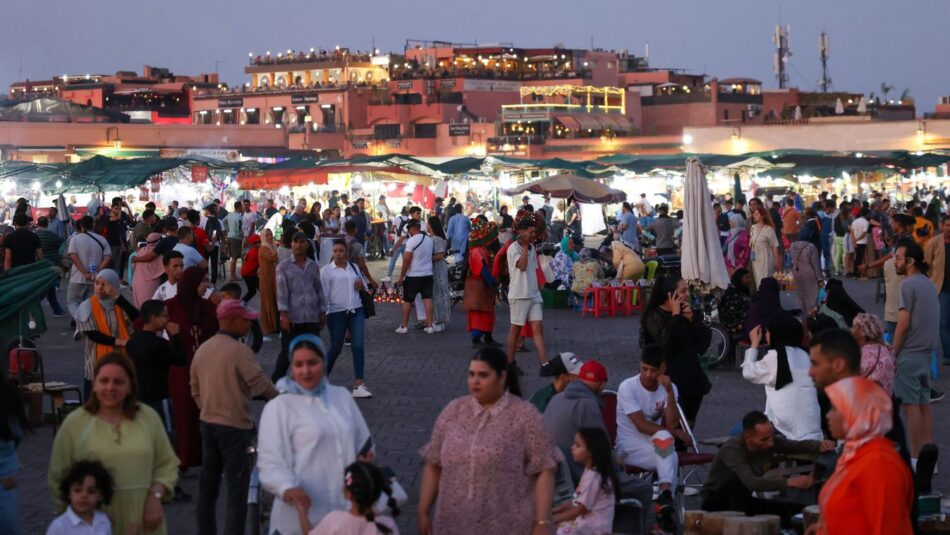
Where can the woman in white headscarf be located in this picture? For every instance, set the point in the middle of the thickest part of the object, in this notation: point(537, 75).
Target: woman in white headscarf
point(736, 248)
point(308, 435)
point(104, 320)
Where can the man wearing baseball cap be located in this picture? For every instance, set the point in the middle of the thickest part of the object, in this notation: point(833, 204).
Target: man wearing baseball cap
point(224, 377)
point(576, 407)
point(565, 367)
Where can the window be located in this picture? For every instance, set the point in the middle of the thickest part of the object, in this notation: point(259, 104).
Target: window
point(278, 114)
point(386, 131)
point(302, 113)
point(253, 116)
point(228, 117)
point(428, 130)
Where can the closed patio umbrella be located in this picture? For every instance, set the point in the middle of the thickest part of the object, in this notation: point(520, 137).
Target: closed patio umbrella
point(702, 262)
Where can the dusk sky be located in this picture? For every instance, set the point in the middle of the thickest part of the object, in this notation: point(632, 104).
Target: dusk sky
point(901, 42)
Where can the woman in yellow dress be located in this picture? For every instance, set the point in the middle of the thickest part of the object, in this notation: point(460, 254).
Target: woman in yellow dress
point(267, 273)
point(129, 439)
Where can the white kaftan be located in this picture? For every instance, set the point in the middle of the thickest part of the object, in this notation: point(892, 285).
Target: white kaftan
point(304, 442)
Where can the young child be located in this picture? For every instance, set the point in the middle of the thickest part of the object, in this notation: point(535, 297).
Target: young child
point(86, 487)
point(592, 510)
point(250, 267)
point(363, 484)
point(255, 338)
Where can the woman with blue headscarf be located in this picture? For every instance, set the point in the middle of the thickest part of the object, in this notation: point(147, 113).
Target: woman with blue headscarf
point(308, 435)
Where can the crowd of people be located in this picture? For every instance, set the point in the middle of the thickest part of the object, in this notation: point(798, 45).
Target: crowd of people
point(170, 371)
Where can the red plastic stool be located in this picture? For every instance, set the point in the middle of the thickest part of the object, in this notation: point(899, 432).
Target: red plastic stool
point(598, 306)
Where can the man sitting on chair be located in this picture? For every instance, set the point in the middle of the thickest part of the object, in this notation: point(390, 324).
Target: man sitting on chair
point(648, 424)
point(740, 466)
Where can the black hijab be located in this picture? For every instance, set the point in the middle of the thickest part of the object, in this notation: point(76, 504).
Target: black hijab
point(784, 331)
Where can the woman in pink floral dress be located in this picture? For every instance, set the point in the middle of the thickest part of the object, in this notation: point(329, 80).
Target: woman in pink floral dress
point(877, 362)
point(490, 464)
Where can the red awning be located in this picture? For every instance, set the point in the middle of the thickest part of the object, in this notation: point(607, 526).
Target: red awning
point(569, 122)
point(278, 178)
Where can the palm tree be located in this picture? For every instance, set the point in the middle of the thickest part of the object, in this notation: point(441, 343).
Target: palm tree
point(905, 95)
point(885, 89)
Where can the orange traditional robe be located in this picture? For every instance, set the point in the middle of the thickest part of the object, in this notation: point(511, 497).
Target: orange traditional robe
point(872, 495)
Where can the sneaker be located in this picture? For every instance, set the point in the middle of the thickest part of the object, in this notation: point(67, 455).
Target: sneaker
point(666, 512)
point(362, 392)
point(346, 341)
point(439, 327)
point(935, 395)
point(387, 278)
point(429, 330)
point(77, 335)
point(421, 325)
point(402, 329)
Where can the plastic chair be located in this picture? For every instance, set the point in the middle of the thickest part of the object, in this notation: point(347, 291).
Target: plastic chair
point(650, 270)
point(30, 371)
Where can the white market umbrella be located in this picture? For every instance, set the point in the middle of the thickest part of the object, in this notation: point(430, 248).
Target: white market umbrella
point(862, 105)
point(839, 107)
point(566, 185)
point(702, 262)
point(798, 113)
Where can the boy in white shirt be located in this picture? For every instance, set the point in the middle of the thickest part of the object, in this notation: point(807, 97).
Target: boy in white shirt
point(86, 488)
point(648, 424)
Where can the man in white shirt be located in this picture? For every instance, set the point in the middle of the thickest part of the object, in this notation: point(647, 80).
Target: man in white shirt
point(524, 295)
point(185, 246)
point(860, 228)
point(416, 275)
point(648, 423)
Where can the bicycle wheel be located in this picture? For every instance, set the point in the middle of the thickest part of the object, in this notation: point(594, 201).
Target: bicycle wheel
point(719, 344)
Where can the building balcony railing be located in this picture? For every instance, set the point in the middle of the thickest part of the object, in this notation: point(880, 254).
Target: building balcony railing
point(486, 74)
point(543, 107)
point(739, 98)
point(516, 140)
point(272, 90)
point(401, 100)
point(320, 56)
point(679, 98)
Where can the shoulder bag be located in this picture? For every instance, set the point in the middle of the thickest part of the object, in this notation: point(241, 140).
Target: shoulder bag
point(366, 300)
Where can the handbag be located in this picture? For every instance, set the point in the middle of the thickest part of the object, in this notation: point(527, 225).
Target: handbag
point(366, 300)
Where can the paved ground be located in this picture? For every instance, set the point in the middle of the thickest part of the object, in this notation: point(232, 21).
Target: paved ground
point(413, 376)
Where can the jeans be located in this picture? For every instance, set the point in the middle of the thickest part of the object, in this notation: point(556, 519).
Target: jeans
point(53, 301)
point(116, 253)
point(283, 359)
point(224, 450)
point(338, 323)
point(76, 293)
point(945, 323)
point(397, 252)
point(214, 258)
point(826, 252)
point(9, 512)
point(837, 254)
